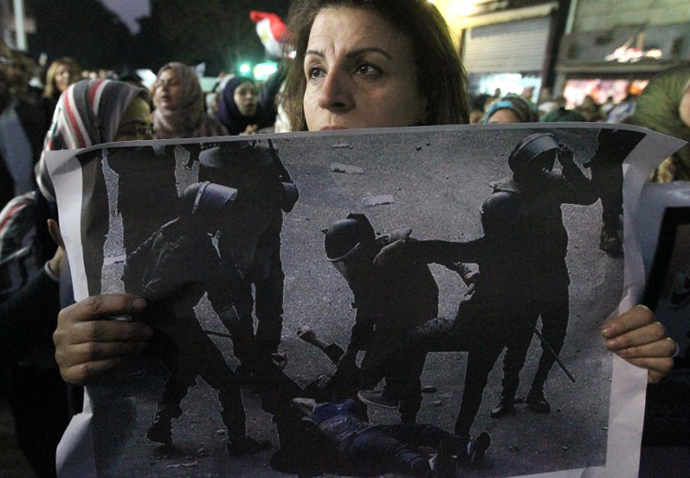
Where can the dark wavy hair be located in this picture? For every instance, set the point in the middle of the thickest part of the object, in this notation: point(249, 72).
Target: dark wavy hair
point(441, 77)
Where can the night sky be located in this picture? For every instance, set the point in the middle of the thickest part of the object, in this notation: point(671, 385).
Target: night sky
point(130, 10)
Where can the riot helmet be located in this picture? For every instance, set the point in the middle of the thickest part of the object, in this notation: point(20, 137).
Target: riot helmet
point(205, 199)
point(255, 169)
point(347, 236)
point(212, 158)
point(533, 154)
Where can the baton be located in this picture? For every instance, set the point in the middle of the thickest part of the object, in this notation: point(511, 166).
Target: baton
point(555, 355)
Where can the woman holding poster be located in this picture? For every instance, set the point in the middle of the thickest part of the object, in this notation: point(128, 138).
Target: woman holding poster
point(359, 64)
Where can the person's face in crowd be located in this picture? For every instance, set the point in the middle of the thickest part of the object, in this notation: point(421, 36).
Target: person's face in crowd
point(136, 129)
point(63, 77)
point(246, 98)
point(503, 116)
point(360, 73)
point(168, 90)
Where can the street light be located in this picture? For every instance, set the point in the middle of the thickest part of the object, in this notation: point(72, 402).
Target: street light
point(245, 68)
point(263, 70)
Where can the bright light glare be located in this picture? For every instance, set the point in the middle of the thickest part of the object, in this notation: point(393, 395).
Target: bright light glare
point(264, 70)
point(462, 8)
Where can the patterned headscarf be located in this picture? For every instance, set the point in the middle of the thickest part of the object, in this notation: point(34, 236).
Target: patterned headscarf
point(190, 119)
point(88, 113)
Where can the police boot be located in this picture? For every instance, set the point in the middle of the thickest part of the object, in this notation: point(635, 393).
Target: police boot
point(161, 428)
point(504, 407)
point(536, 401)
point(472, 452)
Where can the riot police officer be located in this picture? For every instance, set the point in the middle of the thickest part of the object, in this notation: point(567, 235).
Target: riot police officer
point(257, 169)
point(523, 275)
point(172, 270)
point(389, 301)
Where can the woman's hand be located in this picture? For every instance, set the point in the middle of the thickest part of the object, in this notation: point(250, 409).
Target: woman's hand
point(638, 338)
point(88, 342)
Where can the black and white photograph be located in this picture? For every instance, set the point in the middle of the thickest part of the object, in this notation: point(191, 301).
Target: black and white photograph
point(357, 304)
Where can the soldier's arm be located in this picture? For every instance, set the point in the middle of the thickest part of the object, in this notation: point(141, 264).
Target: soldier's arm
point(360, 334)
point(168, 277)
point(135, 266)
point(219, 289)
point(361, 331)
point(576, 188)
point(444, 253)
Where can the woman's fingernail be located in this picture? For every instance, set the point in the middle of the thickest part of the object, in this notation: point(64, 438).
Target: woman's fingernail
point(139, 303)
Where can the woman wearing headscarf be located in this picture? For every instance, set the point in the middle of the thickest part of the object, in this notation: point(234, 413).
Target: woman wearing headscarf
point(510, 109)
point(88, 113)
point(239, 107)
point(179, 104)
point(93, 112)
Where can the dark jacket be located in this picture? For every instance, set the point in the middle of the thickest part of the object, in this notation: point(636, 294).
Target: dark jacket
point(34, 124)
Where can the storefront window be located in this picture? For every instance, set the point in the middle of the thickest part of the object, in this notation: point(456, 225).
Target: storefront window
point(507, 82)
point(601, 89)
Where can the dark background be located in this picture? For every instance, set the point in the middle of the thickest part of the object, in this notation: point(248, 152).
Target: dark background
point(218, 32)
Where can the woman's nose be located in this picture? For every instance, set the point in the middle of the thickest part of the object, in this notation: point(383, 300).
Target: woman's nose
point(336, 92)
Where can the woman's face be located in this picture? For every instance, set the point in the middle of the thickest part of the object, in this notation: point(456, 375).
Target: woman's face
point(137, 128)
point(63, 77)
point(246, 98)
point(360, 73)
point(168, 90)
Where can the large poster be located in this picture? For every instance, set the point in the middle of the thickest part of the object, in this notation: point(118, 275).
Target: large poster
point(433, 271)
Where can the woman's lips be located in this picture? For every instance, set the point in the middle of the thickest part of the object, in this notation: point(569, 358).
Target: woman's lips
point(326, 128)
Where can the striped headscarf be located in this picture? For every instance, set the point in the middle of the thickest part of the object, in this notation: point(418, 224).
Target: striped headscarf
point(88, 113)
point(190, 119)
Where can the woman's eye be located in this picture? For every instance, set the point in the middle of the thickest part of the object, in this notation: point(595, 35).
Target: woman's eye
point(315, 72)
point(366, 69)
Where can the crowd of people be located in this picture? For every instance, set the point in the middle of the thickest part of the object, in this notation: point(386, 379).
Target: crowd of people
point(358, 64)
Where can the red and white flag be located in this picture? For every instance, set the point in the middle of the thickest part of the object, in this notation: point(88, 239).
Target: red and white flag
point(272, 31)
